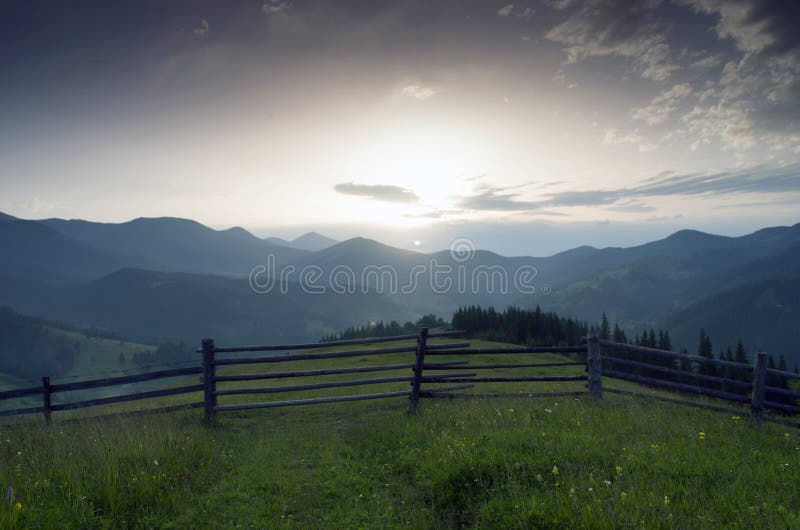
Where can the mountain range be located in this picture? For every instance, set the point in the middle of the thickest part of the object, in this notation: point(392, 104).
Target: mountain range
point(170, 278)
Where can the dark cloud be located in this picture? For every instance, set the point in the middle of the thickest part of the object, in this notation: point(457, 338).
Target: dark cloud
point(757, 180)
point(765, 27)
point(617, 27)
point(378, 192)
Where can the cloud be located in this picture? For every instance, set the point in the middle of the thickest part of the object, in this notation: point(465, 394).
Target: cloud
point(755, 180)
point(619, 28)
point(496, 199)
point(418, 92)
point(709, 61)
point(378, 192)
point(751, 105)
point(759, 179)
point(433, 214)
point(614, 136)
point(756, 100)
point(560, 78)
point(663, 105)
point(275, 7)
point(631, 207)
point(202, 29)
point(559, 4)
point(505, 11)
point(525, 13)
point(764, 27)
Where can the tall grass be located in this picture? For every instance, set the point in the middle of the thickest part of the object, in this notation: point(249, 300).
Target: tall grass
point(499, 463)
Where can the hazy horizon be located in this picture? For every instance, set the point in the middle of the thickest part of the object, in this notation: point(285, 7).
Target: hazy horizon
point(529, 239)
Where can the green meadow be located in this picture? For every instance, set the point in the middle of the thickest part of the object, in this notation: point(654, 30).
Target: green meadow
point(511, 462)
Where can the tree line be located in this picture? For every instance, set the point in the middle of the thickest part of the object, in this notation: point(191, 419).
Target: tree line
point(527, 327)
point(379, 328)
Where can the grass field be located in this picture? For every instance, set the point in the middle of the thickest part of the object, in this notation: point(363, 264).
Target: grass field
point(96, 357)
point(484, 463)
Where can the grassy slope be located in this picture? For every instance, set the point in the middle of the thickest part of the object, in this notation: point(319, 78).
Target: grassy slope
point(493, 463)
point(96, 358)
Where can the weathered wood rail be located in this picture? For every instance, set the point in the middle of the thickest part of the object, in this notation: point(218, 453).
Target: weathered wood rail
point(753, 392)
point(46, 390)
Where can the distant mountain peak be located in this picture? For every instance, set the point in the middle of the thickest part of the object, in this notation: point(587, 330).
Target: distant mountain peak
point(311, 241)
point(237, 231)
point(167, 219)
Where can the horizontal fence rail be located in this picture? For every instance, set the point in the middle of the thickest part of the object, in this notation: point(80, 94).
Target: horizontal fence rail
point(47, 390)
point(128, 397)
point(317, 345)
point(20, 392)
point(135, 378)
point(673, 355)
point(538, 349)
point(753, 392)
point(676, 386)
point(335, 371)
point(616, 361)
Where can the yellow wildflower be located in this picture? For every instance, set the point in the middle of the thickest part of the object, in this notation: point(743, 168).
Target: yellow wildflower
point(18, 506)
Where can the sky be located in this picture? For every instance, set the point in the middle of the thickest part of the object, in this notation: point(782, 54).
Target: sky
point(530, 127)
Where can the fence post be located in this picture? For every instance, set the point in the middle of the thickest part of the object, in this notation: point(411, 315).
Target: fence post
point(46, 398)
point(593, 367)
point(759, 382)
point(209, 385)
point(419, 362)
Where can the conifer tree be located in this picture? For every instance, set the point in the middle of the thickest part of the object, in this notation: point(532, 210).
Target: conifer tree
point(618, 335)
point(605, 330)
point(704, 349)
point(741, 355)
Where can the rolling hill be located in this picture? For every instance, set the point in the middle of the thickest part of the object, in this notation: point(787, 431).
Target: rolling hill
point(178, 245)
point(30, 244)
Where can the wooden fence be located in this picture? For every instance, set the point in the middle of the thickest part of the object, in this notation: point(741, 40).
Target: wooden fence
point(649, 369)
point(211, 363)
point(603, 359)
point(46, 390)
